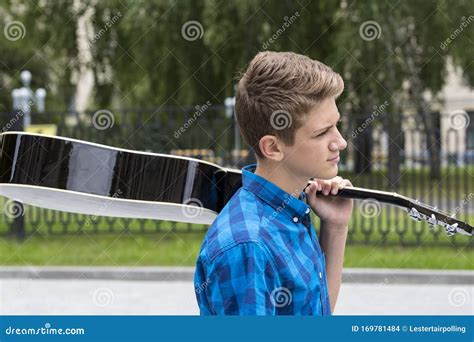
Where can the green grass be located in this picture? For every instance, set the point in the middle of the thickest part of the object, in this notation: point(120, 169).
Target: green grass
point(181, 249)
point(112, 250)
point(429, 257)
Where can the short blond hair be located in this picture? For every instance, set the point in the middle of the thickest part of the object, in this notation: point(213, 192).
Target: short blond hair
point(281, 83)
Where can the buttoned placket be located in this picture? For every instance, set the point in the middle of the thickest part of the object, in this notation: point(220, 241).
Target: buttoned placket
point(307, 223)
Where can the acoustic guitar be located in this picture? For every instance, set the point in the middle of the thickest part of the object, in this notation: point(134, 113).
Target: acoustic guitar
point(82, 177)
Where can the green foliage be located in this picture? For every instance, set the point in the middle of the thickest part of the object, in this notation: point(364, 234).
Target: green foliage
point(140, 57)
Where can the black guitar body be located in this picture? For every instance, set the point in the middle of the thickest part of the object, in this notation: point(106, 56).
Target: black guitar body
point(81, 177)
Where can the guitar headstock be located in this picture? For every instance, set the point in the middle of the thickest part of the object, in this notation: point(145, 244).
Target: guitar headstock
point(433, 216)
point(417, 210)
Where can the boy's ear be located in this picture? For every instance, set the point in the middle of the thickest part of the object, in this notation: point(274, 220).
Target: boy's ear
point(270, 146)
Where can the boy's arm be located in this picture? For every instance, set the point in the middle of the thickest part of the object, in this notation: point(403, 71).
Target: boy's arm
point(334, 213)
point(240, 282)
point(333, 243)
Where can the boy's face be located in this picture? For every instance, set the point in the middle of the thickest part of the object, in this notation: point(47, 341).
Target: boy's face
point(317, 144)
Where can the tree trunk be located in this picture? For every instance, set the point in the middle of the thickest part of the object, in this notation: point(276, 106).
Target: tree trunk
point(423, 109)
point(363, 143)
point(395, 138)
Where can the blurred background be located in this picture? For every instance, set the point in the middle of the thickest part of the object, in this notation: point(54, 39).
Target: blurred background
point(159, 76)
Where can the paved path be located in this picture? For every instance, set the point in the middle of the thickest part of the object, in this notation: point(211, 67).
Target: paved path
point(82, 297)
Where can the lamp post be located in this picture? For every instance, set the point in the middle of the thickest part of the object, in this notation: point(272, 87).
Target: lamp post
point(24, 98)
point(230, 113)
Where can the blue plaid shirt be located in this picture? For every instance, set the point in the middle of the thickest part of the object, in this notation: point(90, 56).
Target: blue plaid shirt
point(261, 256)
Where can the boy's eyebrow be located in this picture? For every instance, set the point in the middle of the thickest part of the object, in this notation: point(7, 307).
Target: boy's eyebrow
point(324, 128)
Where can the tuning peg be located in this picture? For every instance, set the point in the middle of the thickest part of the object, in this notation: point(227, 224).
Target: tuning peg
point(451, 229)
point(432, 221)
point(414, 214)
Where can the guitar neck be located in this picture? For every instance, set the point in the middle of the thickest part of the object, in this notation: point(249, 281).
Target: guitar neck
point(391, 198)
point(417, 210)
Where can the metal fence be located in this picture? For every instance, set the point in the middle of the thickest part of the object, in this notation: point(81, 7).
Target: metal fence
point(210, 134)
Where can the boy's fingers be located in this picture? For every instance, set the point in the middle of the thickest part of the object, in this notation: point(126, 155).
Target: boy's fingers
point(335, 186)
point(312, 186)
point(329, 186)
point(326, 187)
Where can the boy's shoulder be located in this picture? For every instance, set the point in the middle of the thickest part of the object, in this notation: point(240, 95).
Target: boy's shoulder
point(242, 220)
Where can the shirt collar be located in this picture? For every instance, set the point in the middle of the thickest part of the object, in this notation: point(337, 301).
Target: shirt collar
point(277, 198)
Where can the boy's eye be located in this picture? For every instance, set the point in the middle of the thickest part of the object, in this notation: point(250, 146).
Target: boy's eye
point(338, 126)
point(322, 133)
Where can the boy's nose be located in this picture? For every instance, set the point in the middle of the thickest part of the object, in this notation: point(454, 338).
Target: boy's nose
point(338, 145)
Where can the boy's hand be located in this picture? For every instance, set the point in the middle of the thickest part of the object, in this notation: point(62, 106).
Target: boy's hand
point(330, 209)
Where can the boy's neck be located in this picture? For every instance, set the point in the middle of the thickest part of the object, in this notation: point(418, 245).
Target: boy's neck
point(283, 178)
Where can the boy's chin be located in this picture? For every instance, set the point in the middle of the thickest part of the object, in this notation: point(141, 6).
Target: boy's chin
point(328, 174)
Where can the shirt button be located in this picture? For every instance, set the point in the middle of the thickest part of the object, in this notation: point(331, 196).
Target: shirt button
point(307, 211)
point(320, 275)
point(295, 219)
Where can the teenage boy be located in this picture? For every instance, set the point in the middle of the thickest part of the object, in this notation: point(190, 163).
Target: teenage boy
point(262, 256)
